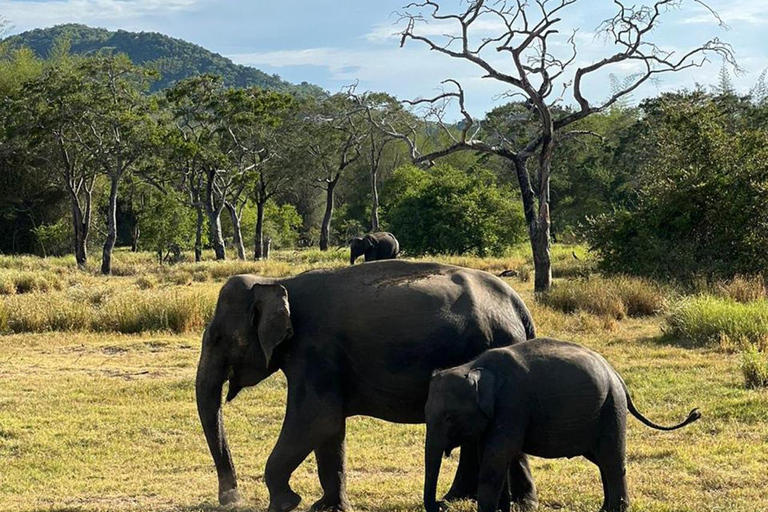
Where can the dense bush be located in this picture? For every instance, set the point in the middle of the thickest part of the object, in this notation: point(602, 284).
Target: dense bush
point(447, 211)
point(702, 206)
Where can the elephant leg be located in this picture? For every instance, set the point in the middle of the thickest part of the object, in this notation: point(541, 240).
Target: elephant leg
point(591, 457)
point(305, 428)
point(522, 490)
point(504, 499)
point(465, 482)
point(499, 452)
point(332, 472)
point(610, 457)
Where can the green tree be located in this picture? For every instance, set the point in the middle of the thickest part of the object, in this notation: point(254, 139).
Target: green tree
point(701, 206)
point(116, 126)
point(447, 211)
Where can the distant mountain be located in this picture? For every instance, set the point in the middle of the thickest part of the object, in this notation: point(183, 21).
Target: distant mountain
point(174, 58)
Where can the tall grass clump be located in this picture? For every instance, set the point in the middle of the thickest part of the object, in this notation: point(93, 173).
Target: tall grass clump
point(28, 281)
point(614, 297)
point(168, 310)
point(707, 320)
point(109, 310)
point(754, 367)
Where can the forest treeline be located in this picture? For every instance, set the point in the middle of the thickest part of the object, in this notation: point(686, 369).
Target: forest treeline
point(91, 158)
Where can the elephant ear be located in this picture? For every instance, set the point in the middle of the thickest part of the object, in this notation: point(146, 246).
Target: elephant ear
point(484, 382)
point(271, 315)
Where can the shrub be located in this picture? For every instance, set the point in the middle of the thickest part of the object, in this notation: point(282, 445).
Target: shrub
point(706, 320)
point(611, 297)
point(448, 211)
point(754, 367)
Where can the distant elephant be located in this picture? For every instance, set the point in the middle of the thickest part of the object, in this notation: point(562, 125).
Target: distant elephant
point(542, 397)
point(350, 341)
point(375, 246)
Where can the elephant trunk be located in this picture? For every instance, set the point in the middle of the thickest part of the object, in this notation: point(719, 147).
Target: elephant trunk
point(353, 254)
point(433, 455)
point(211, 374)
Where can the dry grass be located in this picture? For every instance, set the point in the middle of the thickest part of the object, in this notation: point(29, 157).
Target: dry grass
point(744, 289)
point(613, 297)
point(97, 422)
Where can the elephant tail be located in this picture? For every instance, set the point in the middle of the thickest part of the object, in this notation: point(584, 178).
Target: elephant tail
point(693, 416)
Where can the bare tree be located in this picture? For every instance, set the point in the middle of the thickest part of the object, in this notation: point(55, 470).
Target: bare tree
point(526, 34)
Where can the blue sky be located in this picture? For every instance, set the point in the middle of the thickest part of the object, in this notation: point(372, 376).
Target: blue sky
point(333, 43)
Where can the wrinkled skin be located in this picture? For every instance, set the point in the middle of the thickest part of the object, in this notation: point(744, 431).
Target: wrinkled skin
point(542, 397)
point(363, 340)
point(374, 246)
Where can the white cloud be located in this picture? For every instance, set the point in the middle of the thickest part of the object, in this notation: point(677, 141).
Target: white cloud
point(26, 15)
point(753, 12)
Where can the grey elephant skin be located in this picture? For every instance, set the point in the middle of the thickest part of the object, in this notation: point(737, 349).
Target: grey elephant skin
point(374, 246)
point(542, 397)
point(362, 340)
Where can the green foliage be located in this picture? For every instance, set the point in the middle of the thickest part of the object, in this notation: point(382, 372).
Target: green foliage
point(707, 320)
point(281, 224)
point(702, 206)
point(173, 58)
point(167, 222)
point(447, 211)
point(54, 239)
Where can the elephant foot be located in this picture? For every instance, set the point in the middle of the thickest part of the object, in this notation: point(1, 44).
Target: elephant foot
point(285, 502)
point(459, 494)
point(229, 497)
point(525, 503)
point(331, 505)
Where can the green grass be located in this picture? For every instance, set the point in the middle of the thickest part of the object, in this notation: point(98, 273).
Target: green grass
point(102, 421)
point(706, 320)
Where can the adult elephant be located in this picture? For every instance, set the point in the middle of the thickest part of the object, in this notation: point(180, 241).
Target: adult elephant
point(351, 341)
point(374, 246)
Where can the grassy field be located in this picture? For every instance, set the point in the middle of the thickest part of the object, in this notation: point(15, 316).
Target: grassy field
point(97, 410)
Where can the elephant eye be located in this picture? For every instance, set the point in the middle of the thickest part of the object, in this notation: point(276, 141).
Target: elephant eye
point(449, 419)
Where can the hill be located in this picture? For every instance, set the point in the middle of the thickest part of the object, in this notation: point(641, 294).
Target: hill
point(174, 58)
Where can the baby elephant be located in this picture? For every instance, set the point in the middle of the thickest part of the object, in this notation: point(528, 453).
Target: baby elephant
point(541, 397)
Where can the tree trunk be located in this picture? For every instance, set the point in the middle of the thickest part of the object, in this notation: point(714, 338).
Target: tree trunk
point(217, 238)
point(325, 228)
point(375, 200)
point(237, 239)
point(267, 245)
point(538, 226)
point(214, 219)
point(258, 243)
point(109, 243)
point(540, 237)
point(81, 221)
point(199, 234)
point(135, 237)
point(542, 263)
